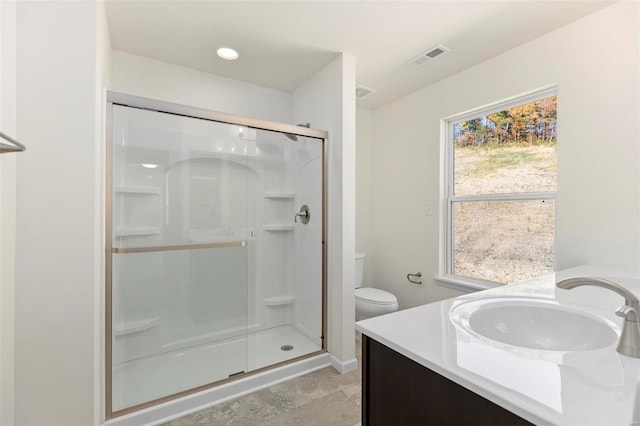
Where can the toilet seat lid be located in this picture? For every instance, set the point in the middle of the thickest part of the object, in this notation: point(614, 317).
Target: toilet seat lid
point(375, 295)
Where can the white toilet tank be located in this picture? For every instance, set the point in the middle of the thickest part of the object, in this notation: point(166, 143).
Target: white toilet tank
point(359, 270)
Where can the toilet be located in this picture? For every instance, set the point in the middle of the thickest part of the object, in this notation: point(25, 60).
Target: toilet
point(371, 302)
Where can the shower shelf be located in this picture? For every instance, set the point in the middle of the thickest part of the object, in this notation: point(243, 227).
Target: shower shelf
point(135, 326)
point(278, 228)
point(136, 232)
point(279, 195)
point(138, 190)
point(278, 301)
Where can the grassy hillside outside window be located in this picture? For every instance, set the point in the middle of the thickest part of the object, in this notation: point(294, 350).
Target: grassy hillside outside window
point(501, 179)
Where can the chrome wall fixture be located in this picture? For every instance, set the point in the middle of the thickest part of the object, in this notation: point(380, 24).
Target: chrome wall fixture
point(294, 137)
point(415, 278)
point(12, 146)
point(629, 344)
point(304, 215)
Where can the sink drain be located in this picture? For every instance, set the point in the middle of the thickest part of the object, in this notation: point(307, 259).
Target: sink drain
point(286, 347)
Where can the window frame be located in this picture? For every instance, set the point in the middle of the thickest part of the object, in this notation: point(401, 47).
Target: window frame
point(446, 276)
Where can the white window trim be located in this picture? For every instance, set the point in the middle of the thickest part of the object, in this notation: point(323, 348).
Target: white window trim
point(446, 278)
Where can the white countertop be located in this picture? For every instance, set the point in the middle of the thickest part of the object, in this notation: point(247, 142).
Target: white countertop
point(595, 387)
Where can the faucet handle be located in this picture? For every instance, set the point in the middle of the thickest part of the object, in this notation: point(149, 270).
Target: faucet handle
point(628, 313)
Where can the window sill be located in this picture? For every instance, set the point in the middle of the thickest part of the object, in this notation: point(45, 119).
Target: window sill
point(467, 285)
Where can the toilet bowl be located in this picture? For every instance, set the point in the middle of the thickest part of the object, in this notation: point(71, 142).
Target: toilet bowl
point(371, 302)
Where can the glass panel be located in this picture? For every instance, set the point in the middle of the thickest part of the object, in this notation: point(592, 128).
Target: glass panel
point(510, 151)
point(182, 228)
point(287, 308)
point(179, 321)
point(503, 241)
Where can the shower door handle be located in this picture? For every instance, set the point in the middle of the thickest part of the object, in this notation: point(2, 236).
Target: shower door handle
point(304, 215)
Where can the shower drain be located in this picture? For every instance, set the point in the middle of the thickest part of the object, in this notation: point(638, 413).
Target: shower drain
point(286, 347)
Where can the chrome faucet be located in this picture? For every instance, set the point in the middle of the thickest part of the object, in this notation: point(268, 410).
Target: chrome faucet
point(630, 338)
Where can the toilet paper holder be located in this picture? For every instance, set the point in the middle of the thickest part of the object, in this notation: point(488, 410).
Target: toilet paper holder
point(412, 278)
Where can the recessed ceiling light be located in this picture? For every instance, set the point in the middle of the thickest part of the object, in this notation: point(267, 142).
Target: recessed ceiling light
point(228, 54)
point(149, 165)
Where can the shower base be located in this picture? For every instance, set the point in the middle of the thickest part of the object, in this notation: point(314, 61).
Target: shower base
point(142, 380)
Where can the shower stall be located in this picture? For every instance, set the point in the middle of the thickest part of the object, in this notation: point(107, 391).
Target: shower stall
point(215, 262)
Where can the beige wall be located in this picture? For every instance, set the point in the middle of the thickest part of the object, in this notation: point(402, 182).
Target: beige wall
point(594, 62)
point(7, 212)
point(364, 189)
point(61, 54)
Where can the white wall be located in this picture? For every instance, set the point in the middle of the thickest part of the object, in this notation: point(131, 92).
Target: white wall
point(102, 81)
point(594, 61)
point(327, 101)
point(59, 63)
point(365, 189)
point(137, 75)
point(7, 211)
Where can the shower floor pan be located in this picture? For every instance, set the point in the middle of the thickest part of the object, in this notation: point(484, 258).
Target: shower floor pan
point(147, 379)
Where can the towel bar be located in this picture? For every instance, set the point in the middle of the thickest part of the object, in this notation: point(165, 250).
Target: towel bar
point(14, 147)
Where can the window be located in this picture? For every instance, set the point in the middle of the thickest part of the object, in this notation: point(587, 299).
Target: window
point(500, 183)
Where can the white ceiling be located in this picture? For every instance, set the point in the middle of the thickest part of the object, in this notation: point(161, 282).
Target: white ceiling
point(284, 43)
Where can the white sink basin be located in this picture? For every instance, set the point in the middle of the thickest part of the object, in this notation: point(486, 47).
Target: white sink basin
point(535, 324)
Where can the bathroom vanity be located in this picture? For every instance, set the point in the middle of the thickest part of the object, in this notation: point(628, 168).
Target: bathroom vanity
point(398, 391)
point(433, 365)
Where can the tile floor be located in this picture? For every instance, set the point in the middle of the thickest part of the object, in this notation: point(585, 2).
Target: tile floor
point(321, 398)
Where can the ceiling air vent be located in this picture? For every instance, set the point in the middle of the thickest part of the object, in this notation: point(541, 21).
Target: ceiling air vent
point(429, 55)
point(362, 91)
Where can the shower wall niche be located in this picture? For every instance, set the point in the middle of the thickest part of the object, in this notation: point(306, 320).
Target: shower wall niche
point(209, 275)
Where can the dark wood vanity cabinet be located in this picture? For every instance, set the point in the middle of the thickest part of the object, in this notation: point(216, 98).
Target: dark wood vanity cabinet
point(397, 391)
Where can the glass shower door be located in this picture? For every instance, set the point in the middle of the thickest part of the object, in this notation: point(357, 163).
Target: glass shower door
point(215, 250)
point(288, 303)
point(183, 220)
